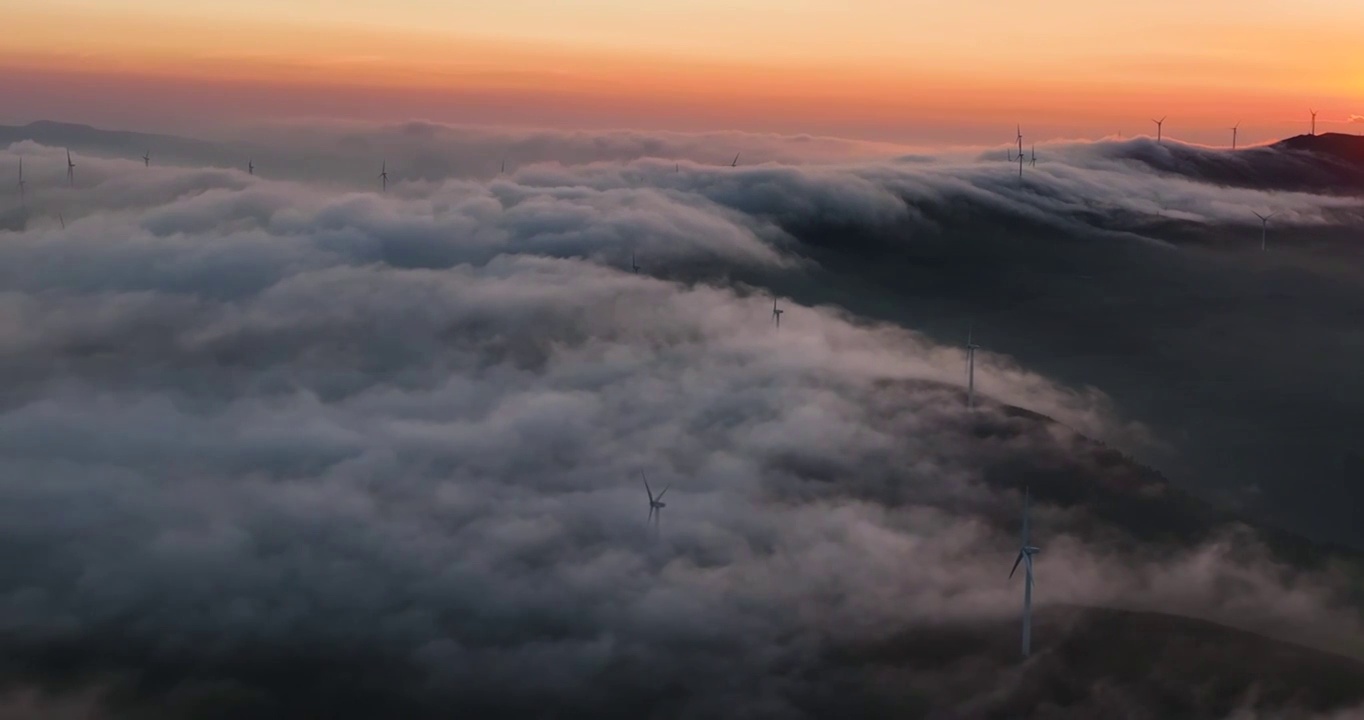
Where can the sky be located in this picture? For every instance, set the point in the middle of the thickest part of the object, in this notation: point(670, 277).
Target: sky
point(930, 72)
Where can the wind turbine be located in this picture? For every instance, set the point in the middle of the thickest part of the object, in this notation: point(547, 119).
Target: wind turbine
point(1233, 135)
point(70, 170)
point(250, 167)
point(1033, 161)
point(656, 504)
point(776, 312)
point(1025, 553)
point(971, 348)
point(503, 171)
point(1314, 120)
point(633, 265)
point(735, 162)
point(1160, 126)
point(147, 159)
point(1019, 132)
point(1264, 226)
point(61, 220)
point(23, 199)
point(383, 175)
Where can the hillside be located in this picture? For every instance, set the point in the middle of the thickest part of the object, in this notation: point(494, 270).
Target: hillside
point(1332, 163)
point(84, 138)
point(1111, 496)
point(1349, 148)
point(1117, 492)
point(1092, 663)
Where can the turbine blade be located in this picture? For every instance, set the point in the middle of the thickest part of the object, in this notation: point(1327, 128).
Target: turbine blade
point(665, 492)
point(1017, 560)
point(646, 486)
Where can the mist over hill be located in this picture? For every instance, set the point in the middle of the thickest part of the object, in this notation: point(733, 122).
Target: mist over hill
point(286, 446)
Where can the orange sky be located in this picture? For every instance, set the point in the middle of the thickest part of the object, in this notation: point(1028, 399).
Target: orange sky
point(894, 69)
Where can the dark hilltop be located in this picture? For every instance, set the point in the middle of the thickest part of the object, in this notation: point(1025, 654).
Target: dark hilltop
point(1331, 163)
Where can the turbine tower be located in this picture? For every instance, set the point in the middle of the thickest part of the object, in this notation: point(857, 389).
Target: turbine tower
point(1160, 126)
point(1314, 120)
point(250, 167)
point(503, 171)
point(1025, 553)
point(656, 504)
point(1264, 225)
point(633, 265)
point(383, 175)
point(1233, 135)
point(147, 159)
point(23, 199)
point(971, 348)
point(1033, 161)
point(1019, 133)
point(70, 170)
point(776, 312)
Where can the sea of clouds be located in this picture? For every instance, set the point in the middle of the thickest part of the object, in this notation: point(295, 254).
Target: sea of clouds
point(290, 446)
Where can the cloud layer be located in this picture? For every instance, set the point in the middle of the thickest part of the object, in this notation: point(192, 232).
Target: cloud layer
point(292, 450)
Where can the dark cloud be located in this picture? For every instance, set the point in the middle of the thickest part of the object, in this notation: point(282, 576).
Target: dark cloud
point(276, 449)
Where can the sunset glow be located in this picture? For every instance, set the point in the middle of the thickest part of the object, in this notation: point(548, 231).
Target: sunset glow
point(906, 71)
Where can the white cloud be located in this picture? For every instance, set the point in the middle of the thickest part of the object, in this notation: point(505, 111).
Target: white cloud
point(252, 417)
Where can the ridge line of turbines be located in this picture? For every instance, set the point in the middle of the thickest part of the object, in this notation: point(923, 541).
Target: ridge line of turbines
point(1160, 138)
point(146, 158)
